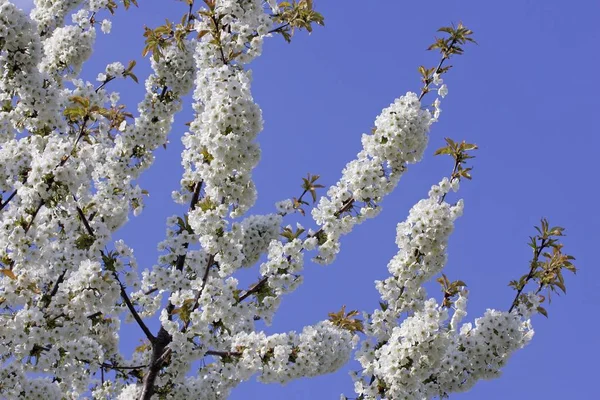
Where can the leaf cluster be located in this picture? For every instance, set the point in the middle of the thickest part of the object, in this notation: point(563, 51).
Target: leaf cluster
point(450, 289)
point(448, 46)
point(206, 156)
point(547, 264)
point(158, 39)
point(290, 235)
point(109, 259)
point(345, 320)
point(163, 36)
point(184, 225)
point(457, 37)
point(128, 71)
point(116, 115)
point(185, 310)
point(458, 151)
point(310, 186)
point(207, 204)
point(81, 109)
point(427, 74)
point(296, 15)
point(84, 241)
point(215, 31)
point(111, 6)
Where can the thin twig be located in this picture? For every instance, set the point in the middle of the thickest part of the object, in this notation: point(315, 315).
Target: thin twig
point(223, 353)
point(445, 57)
point(211, 260)
point(133, 311)
point(108, 79)
point(253, 289)
point(534, 266)
point(2, 205)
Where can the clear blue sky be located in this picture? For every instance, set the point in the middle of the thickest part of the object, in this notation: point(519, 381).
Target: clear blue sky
point(527, 95)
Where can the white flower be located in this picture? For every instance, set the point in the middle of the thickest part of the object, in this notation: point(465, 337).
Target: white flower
point(106, 26)
point(436, 108)
point(443, 91)
point(114, 98)
point(274, 6)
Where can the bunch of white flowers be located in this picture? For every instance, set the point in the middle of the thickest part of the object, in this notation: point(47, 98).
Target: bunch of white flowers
point(399, 138)
point(426, 354)
point(70, 157)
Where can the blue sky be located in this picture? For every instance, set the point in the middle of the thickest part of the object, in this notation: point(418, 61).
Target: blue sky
point(526, 95)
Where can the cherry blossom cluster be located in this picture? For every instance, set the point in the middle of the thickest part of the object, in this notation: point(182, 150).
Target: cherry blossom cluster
point(399, 138)
point(220, 151)
point(426, 358)
point(70, 157)
point(21, 51)
point(422, 240)
point(319, 349)
point(427, 354)
point(206, 309)
point(66, 188)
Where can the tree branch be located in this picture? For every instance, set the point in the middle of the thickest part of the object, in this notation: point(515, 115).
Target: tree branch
point(532, 269)
point(223, 353)
point(211, 260)
point(446, 56)
point(253, 289)
point(2, 205)
point(133, 311)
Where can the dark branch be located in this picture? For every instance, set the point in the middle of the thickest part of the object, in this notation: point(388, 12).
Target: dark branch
point(253, 289)
point(133, 311)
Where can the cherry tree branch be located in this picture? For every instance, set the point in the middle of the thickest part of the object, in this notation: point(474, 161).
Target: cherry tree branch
point(132, 309)
point(445, 57)
point(534, 265)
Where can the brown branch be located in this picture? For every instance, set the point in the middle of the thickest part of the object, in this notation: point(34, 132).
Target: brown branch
point(159, 344)
point(79, 136)
point(211, 261)
point(191, 13)
point(218, 40)
point(2, 205)
point(94, 315)
point(61, 277)
point(54, 290)
point(35, 213)
point(457, 162)
point(253, 289)
point(428, 82)
point(133, 311)
point(108, 79)
point(84, 220)
point(163, 338)
point(109, 365)
point(223, 353)
point(196, 196)
point(533, 268)
point(119, 367)
point(163, 93)
point(279, 28)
